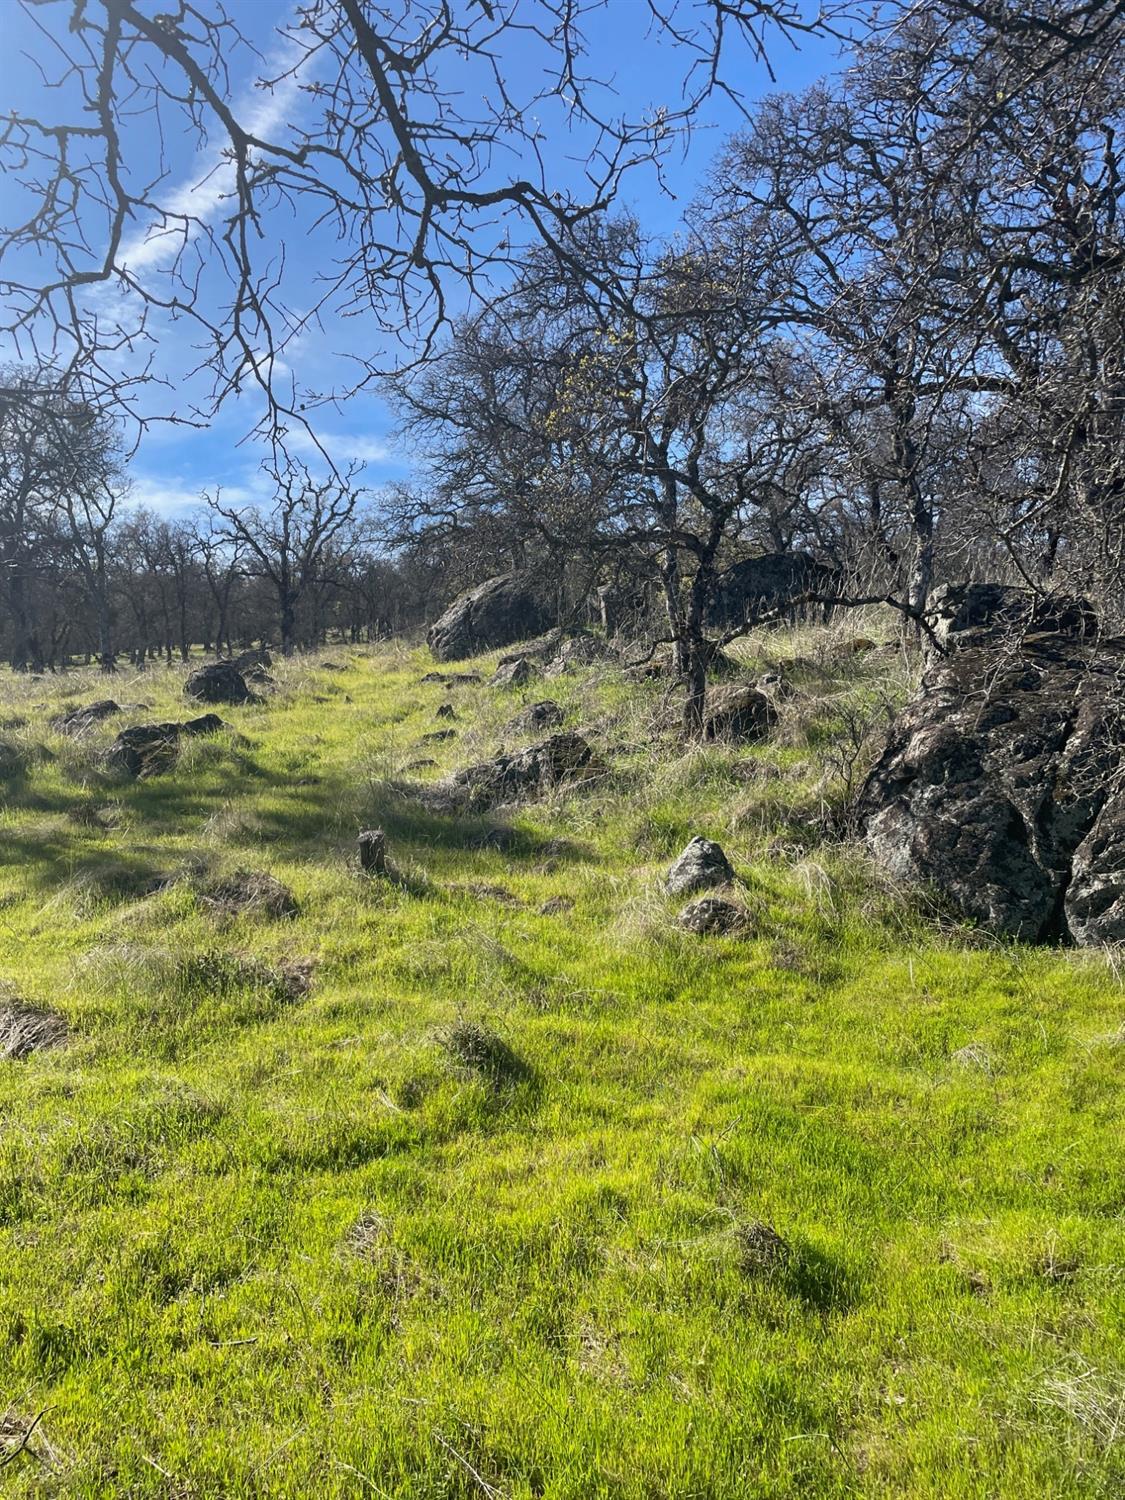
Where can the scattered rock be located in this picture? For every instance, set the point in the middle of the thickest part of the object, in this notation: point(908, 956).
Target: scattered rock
point(579, 651)
point(1001, 787)
point(25, 1029)
point(763, 1251)
point(702, 866)
point(495, 613)
point(78, 720)
point(772, 584)
point(537, 716)
point(513, 674)
point(219, 682)
point(558, 761)
point(436, 736)
point(538, 650)
point(452, 679)
point(711, 916)
point(739, 713)
point(557, 906)
point(148, 749)
point(445, 711)
point(250, 891)
point(977, 614)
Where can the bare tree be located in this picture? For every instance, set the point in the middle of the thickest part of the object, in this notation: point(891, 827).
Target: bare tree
point(287, 541)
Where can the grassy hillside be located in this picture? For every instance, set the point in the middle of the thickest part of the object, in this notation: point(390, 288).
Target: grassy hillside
point(444, 1187)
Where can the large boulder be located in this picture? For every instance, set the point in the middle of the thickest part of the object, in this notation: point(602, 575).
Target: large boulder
point(218, 682)
point(1000, 787)
point(495, 613)
point(978, 614)
point(775, 582)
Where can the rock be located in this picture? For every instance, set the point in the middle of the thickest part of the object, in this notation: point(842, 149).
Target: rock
point(540, 649)
point(495, 613)
point(558, 761)
point(219, 682)
point(857, 646)
point(249, 891)
point(514, 674)
point(420, 765)
point(445, 711)
point(1095, 898)
point(712, 916)
point(701, 867)
point(452, 679)
point(975, 614)
point(537, 716)
point(773, 582)
point(556, 906)
point(148, 749)
point(1000, 786)
point(579, 651)
point(436, 736)
point(247, 661)
point(483, 890)
point(78, 720)
point(739, 713)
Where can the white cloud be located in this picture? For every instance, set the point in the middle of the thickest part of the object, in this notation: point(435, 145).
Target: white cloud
point(340, 446)
point(197, 200)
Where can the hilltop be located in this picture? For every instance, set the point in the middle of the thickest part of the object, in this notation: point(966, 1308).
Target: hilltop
point(488, 1178)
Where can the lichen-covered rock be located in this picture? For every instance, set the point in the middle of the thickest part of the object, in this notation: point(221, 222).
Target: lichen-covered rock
point(743, 712)
point(513, 674)
point(576, 652)
point(977, 614)
point(218, 682)
point(148, 749)
point(78, 720)
point(711, 916)
point(545, 714)
point(999, 787)
point(495, 613)
point(701, 867)
point(558, 761)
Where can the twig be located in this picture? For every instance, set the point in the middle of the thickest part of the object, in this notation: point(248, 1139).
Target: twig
point(15, 1453)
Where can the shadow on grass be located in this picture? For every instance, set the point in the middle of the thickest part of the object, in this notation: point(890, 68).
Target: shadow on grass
point(822, 1281)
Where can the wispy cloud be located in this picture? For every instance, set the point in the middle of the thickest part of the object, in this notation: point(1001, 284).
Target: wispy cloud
point(198, 199)
point(341, 446)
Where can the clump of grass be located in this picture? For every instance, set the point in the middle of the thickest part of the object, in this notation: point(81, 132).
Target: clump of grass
point(477, 1050)
point(249, 891)
point(25, 1028)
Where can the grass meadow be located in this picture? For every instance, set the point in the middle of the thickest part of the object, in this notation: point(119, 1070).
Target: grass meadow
point(446, 1185)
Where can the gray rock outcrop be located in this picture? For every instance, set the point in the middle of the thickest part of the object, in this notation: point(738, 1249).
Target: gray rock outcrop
point(495, 613)
point(218, 682)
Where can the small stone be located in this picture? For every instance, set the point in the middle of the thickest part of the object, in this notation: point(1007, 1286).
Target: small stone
point(702, 866)
point(514, 674)
point(713, 917)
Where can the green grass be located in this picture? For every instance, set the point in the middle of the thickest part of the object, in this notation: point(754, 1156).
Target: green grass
point(467, 1216)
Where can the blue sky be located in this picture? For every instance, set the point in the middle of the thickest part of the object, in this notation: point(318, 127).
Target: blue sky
point(173, 464)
